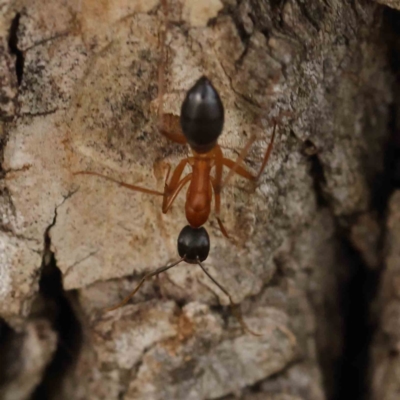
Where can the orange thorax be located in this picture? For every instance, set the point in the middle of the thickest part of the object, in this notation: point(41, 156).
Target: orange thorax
point(199, 194)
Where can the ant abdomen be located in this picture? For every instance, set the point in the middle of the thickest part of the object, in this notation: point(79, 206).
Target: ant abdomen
point(202, 116)
point(193, 244)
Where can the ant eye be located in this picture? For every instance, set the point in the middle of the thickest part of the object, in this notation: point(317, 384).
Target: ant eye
point(193, 244)
point(202, 116)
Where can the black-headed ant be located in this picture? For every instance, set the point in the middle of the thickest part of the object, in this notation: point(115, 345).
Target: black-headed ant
point(202, 120)
point(200, 125)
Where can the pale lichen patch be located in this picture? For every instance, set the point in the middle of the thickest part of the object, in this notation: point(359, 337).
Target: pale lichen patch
point(198, 13)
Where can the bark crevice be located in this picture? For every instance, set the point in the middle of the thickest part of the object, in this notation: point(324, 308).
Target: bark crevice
point(13, 46)
point(59, 308)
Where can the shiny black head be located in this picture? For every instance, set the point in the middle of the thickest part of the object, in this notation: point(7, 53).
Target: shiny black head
point(202, 116)
point(193, 244)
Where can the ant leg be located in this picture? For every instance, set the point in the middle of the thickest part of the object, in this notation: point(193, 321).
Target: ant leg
point(171, 190)
point(235, 166)
point(219, 165)
point(165, 194)
point(126, 185)
point(170, 128)
point(220, 224)
point(175, 185)
point(217, 197)
point(267, 153)
point(216, 183)
point(168, 200)
point(147, 276)
point(168, 124)
point(235, 307)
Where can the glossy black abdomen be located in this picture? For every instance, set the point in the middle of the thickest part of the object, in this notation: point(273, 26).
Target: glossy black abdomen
point(202, 116)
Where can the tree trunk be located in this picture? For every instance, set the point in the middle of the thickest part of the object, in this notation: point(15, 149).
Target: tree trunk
point(80, 91)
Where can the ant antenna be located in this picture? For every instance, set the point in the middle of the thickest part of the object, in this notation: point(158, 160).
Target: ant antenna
point(193, 247)
point(234, 307)
point(147, 276)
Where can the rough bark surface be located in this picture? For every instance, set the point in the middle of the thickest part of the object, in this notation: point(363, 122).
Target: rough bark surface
point(79, 87)
point(386, 382)
point(391, 3)
point(385, 362)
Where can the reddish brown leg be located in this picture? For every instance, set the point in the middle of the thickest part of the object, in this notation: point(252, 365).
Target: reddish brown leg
point(171, 189)
point(217, 197)
point(168, 200)
point(126, 185)
point(168, 124)
point(235, 166)
point(237, 169)
point(216, 183)
point(170, 128)
point(175, 185)
point(218, 168)
point(267, 153)
point(217, 210)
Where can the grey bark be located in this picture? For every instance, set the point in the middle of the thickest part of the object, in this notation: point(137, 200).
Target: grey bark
point(87, 100)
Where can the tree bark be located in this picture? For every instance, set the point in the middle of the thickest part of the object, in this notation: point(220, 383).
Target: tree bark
point(79, 92)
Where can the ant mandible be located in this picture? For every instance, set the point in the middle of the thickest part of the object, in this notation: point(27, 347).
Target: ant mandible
point(201, 120)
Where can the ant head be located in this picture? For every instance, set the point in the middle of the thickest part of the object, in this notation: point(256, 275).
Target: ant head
point(202, 116)
point(193, 244)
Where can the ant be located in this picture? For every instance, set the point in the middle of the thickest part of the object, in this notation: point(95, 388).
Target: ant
point(202, 121)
